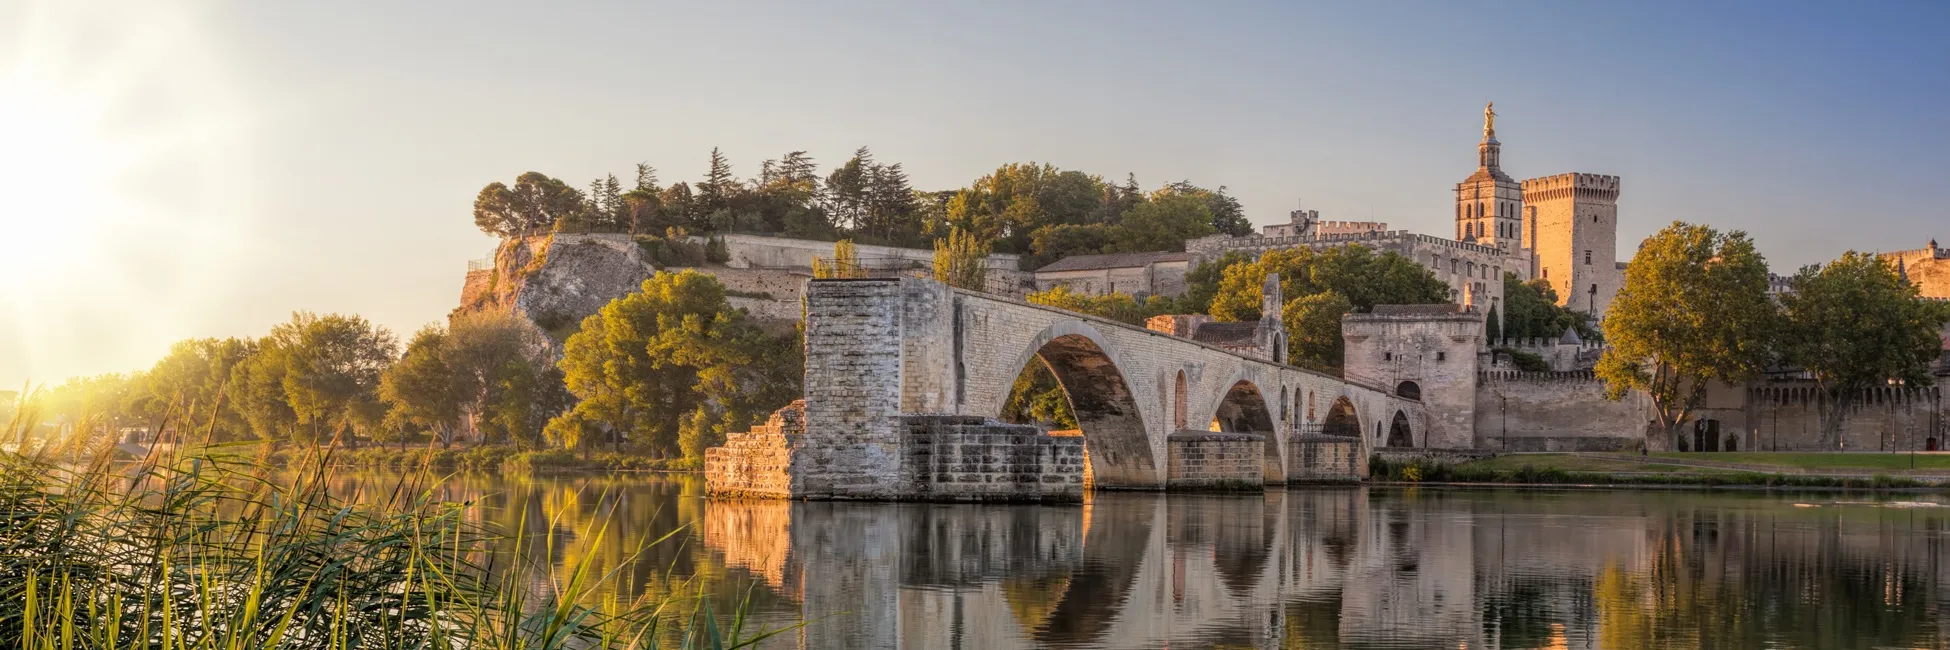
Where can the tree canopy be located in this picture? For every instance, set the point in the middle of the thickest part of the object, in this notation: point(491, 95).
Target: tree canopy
point(1034, 209)
point(1332, 282)
point(649, 363)
point(1856, 323)
point(1694, 310)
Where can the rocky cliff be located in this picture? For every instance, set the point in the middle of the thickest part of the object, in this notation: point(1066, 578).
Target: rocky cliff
point(555, 281)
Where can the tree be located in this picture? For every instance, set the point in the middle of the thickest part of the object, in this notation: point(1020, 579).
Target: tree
point(720, 187)
point(845, 262)
point(422, 389)
point(1530, 310)
point(195, 376)
point(1360, 275)
point(1162, 224)
point(962, 261)
point(1009, 205)
point(535, 203)
point(1694, 310)
point(1854, 324)
point(643, 366)
point(849, 188)
point(1117, 306)
point(1493, 327)
point(332, 365)
point(1313, 325)
point(1226, 215)
point(1202, 282)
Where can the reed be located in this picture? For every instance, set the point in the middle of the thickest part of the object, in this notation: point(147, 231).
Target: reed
point(217, 552)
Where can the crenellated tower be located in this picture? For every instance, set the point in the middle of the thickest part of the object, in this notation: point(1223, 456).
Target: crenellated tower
point(1571, 227)
point(1489, 203)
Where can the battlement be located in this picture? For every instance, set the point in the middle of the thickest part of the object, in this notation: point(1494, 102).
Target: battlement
point(1568, 376)
point(1347, 227)
point(1579, 185)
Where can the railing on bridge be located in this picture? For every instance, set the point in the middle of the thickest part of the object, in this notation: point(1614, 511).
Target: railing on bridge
point(483, 264)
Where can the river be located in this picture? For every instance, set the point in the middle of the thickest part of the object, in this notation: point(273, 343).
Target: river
point(1299, 568)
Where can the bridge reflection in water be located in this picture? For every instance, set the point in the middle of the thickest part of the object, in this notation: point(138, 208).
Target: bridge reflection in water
point(1346, 567)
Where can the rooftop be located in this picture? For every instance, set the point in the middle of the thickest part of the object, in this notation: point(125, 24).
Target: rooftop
point(1225, 333)
point(1112, 261)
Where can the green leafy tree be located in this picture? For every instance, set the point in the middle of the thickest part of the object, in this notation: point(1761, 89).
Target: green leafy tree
point(332, 369)
point(1009, 205)
point(1313, 325)
point(1202, 282)
point(1052, 243)
point(1117, 306)
point(1162, 223)
point(1530, 310)
point(535, 203)
point(195, 376)
point(645, 364)
point(1226, 215)
point(961, 261)
point(422, 390)
point(1361, 276)
point(1694, 310)
point(1856, 323)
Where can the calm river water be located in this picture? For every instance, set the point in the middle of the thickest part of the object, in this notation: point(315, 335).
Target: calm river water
point(1298, 568)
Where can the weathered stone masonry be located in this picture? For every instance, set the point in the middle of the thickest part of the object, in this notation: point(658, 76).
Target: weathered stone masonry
point(886, 358)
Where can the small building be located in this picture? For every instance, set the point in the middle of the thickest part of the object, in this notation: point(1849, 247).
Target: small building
point(1137, 274)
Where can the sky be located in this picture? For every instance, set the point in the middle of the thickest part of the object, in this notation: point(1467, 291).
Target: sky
point(172, 170)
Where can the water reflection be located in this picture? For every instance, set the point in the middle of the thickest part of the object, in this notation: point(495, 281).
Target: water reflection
point(1303, 568)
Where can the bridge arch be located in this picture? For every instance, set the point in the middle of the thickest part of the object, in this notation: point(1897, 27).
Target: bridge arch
point(1243, 409)
point(1342, 419)
point(1399, 433)
point(1114, 432)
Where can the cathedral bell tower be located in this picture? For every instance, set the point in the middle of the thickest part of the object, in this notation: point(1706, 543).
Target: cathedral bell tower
point(1489, 203)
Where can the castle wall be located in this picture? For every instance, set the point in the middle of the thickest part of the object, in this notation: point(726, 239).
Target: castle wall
point(1928, 268)
point(1786, 416)
point(1555, 411)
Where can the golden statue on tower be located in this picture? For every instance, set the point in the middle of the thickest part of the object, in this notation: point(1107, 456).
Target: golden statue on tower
point(1489, 118)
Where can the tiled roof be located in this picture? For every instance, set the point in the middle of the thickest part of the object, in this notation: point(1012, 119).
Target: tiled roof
point(1113, 261)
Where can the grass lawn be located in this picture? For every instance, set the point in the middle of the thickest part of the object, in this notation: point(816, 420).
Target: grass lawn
point(1571, 463)
point(1819, 460)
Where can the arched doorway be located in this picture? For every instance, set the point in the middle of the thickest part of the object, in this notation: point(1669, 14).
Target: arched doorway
point(1399, 434)
point(1341, 420)
point(1244, 411)
point(1101, 405)
point(1408, 389)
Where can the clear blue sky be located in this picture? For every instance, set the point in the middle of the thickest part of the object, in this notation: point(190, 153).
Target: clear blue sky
point(362, 130)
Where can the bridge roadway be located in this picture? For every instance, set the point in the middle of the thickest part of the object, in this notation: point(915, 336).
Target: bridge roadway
point(879, 349)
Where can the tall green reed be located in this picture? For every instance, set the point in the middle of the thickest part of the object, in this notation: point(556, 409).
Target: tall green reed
point(211, 551)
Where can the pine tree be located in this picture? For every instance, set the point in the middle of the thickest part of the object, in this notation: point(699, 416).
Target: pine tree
point(847, 189)
point(892, 211)
point(719, 187)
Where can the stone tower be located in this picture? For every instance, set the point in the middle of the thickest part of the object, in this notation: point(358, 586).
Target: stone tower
point(1489, 202)
point(1571, 227)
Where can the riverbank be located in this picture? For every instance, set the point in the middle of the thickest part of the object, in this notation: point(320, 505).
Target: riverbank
point(1850, 471)
point(484, 458)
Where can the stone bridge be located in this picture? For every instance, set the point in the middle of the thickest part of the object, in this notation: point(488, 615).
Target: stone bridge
point(899, 369)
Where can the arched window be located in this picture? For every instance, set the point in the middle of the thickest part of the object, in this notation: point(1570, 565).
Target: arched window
point(1408, 389)
point(1178, 402)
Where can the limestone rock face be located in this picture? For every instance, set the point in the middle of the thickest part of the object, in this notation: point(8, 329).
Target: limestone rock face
point(557, 280)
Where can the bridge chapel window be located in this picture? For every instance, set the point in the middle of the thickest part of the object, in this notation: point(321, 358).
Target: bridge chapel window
point(1587, 257)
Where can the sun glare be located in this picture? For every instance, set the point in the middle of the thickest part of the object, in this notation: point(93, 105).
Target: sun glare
point(122, 168)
